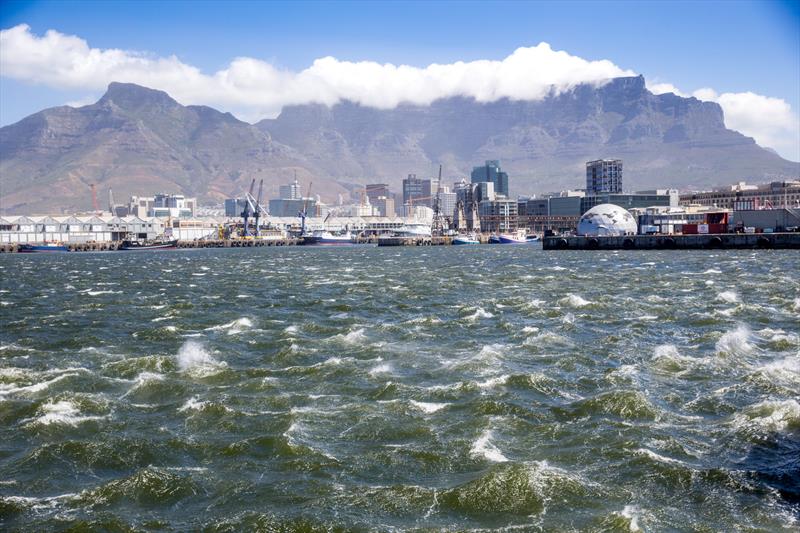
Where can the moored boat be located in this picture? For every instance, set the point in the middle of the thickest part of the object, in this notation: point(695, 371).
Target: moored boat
point(136, 246)
point(469, 238)
point(518, 237)
point(327, 238)
point(48, 246)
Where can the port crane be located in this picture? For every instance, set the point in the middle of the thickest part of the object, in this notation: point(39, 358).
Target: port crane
point(304, 213)
point(253, 208)
point(246, 213)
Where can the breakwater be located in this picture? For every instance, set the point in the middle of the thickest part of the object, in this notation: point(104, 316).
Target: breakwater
point(676, 242)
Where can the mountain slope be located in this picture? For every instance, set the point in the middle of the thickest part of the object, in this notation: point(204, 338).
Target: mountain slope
point(665, 140)
point(140, 141)
point(135, 141)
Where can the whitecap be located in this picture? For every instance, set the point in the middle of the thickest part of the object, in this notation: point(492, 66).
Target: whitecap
point(385, 368)
point(730, 297)
point(574, 300)
point(234, 327)
point(769, 415)
point(193, 357)
point(484, 448)
point(493, 382)
point(428, 407)
point(478, 314)
point(62, 412)
point(736, 341)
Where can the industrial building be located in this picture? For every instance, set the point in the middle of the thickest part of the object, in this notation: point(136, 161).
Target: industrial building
point(160, 205)
point(742, 196)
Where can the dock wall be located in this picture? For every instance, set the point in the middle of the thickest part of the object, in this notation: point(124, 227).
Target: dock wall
point(677, 242)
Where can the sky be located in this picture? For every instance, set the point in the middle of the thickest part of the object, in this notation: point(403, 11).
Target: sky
point(253, 58)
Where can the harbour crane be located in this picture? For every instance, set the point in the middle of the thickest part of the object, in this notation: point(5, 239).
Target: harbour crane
point(258, 207)
point(304, 213)
point(246, 213)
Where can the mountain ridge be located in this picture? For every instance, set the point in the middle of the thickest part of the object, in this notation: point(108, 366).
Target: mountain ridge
point(138, 140)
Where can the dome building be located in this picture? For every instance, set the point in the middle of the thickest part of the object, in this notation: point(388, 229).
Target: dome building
point(607, 220)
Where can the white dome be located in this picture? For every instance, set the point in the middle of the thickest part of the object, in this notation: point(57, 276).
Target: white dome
point(607, 219)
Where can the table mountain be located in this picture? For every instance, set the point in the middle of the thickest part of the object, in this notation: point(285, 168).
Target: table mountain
point(140, 141)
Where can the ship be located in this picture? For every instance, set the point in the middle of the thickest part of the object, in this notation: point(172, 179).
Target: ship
point(327, 238)
point(519, 237)
point(469, 238)
point(140, 246)
point(48, 246)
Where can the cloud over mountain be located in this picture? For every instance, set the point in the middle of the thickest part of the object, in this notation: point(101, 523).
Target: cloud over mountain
point(254, 89)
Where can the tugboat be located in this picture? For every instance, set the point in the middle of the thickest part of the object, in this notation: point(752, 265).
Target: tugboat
point(136, 246)
point(47, 246)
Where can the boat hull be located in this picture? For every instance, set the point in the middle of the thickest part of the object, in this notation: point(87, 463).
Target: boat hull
point(38, 249)
point(134, 247)
point(463, 242)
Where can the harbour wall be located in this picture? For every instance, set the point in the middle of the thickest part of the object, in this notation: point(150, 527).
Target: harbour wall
point(677, 242)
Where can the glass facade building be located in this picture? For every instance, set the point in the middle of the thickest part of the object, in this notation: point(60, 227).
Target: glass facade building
point(604, 176)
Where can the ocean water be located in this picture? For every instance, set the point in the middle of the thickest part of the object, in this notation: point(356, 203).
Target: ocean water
point(444, 388)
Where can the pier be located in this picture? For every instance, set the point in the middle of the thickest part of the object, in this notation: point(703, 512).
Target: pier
point(210, 243)
point(722, 241)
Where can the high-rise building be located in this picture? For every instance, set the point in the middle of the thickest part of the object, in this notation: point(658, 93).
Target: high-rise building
point(376, 190)
point(385, 206)
point(290, 191)
point(604, 176)
point(491, 172)
point(414, 190)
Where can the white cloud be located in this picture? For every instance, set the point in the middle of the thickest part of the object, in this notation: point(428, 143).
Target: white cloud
point(770, 121)
point(254, 89)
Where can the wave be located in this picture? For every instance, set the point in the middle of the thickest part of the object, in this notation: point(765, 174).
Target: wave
point(63, 412)
point(479, 313)
point(736, 342)
point(485, 449)
point(730, 297)
point(234, 327)
point(574, 300)
point(428, 407)
point(195, 359)
point(768, 416)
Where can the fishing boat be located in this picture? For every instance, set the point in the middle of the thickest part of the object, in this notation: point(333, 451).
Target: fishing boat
point(469, 238)
point(328, 238)
point(518, 237)
point(137, 246)
point(47, 246)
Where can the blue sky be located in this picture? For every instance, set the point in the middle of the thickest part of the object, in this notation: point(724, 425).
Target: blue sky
point(732, 47)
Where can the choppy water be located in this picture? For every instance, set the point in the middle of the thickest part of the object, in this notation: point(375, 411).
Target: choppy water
point(386, 389)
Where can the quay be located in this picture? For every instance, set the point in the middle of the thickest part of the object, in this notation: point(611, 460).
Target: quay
point(722, 241)
point(206, 243)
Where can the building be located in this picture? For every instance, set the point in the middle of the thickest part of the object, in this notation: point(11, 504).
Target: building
point(498, 215)
point(376, 190)
point(671, 220)
point(533, 206)
point(413, 191)
point(234, 207)
point(162, 205)
point(491, 172)
point(767, 220)
point(626, 201)
point(290, 191)
point(447, 203)
point(384, 205)
point(288, 207)
point(604, 176)
point(607, 220)
point(567, 204)
point(742, 196)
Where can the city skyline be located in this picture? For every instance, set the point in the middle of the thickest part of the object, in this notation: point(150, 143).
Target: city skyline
point(270, 55)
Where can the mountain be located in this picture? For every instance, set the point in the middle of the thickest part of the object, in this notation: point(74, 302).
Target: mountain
point(135, 140)
point(140, 141)
point(665, 140)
